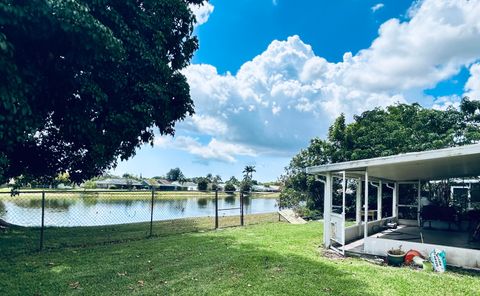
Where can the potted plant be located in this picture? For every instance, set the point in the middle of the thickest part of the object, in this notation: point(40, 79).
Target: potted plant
point(395, 257)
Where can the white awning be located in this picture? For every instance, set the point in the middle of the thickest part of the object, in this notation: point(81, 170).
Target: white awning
point(463, 161)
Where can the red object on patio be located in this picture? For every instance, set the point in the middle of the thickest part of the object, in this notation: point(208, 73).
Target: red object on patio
point(409, 256)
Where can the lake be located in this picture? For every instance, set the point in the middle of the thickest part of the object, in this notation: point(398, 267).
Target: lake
point(95, 212)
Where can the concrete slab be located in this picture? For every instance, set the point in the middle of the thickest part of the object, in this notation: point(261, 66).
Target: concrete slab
point(291, 217)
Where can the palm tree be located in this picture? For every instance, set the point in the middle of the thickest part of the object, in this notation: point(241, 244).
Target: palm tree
point(209, 177)
point(248, 171)
point(217, 179)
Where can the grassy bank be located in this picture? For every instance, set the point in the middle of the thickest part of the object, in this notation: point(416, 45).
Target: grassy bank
point(16, 240)
point(264, 259)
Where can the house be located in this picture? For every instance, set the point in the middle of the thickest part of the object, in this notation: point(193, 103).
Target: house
point(165, 185)
point(190, 186)
point(121, 183)
point(221, 186)
point(274, 188)
point(259, 188)
point(262, 188)
point(373, 232)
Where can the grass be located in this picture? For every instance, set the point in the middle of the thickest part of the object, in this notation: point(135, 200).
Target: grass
point(16, 240)
point(262, 259)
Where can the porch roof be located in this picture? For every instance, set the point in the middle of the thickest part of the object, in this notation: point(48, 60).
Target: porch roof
point(463, 161)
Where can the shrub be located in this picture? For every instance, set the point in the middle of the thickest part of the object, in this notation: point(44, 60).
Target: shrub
point(229, 187)
point(202, 184)
point(90, 184)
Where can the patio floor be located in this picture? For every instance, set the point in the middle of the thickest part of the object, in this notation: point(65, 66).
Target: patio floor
point(459, 239)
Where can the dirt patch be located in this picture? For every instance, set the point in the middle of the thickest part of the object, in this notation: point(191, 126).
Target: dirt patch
point(330, 254)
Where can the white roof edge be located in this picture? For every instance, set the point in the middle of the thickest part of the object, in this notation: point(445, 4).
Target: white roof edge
point(395, 159)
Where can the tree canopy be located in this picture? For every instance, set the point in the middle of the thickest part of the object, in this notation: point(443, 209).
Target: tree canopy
point(84, 83)
point(175, 175)
point(202, 184)
point(379, 132)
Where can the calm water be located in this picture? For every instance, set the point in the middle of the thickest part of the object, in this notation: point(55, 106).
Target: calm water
point(93, 212)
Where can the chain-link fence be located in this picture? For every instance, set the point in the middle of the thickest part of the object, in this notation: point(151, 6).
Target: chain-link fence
point(35, 220)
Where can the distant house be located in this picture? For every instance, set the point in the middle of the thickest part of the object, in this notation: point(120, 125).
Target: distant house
point(165, 185)
point(190, 186)
point(262, 188)
point(274, 188)
point(121, 183)
point(63, 186)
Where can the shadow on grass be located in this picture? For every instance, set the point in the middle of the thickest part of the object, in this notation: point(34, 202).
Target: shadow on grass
point(216, 263)
point(17, 240)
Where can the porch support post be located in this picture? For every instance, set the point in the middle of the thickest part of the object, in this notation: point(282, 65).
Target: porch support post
point(365, 229)
point(395, 200)
point(344, 189)
point(379, 200)
point(419, 193)
point(469, 196)
point(327, 209)
point(358, 204)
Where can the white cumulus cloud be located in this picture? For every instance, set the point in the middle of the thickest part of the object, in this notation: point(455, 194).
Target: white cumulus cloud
point(280, 99)
point(202, 12)
point(286, 95)
point(376, 7)
point(472, 87)
point(214, 150)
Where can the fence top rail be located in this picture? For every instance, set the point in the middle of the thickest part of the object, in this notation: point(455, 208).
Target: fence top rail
point(57, 191)
point(228, 209)
point(102, 191)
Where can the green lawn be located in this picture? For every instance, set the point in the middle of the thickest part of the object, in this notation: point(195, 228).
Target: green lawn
point(16, 240)
point(263, 259)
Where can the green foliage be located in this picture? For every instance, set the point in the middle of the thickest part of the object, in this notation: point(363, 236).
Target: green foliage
point(379, 132)
point(248, 171)
point(290, 198)
point(247, 182)
point(90, 184)
point(63, 178)
point(202, 184)
point(246, 185)
point(229, 187)
point(217, 179)
point(132, 177)
point(209, 177)
point(84, 83)
point(175, 175)
point(233, 181)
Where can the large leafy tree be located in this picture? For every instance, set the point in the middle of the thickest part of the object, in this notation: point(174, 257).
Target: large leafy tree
point(379, 132)
point(175, 175)
point(86, 82)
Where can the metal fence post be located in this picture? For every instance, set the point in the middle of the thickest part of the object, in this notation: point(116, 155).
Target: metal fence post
point(216, 208)
point(43, 221)
point(241, 208)
point(151, 212)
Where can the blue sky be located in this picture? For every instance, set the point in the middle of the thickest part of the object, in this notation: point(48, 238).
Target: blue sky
point(270, 75)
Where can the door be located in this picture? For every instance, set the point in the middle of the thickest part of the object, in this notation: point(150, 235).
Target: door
point(337, 220)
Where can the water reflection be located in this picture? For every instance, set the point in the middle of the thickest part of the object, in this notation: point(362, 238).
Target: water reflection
point(202, 202)
point(3, 209)
point(89, 211)
point(54, 204)
point(230, 200)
